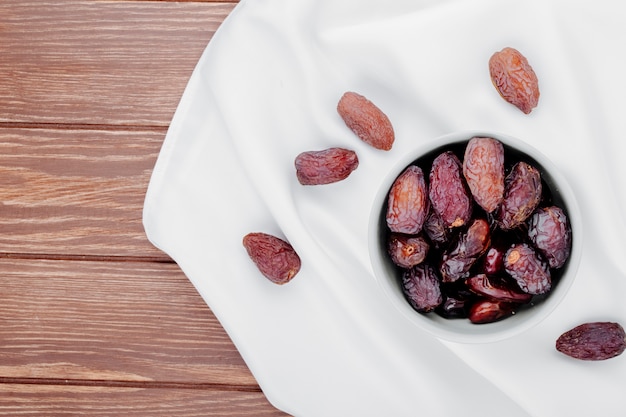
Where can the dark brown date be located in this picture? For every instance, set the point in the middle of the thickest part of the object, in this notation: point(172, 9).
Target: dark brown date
point(407, 251)
point(489, 311)
point(471, 244)
point(456, 300)
point(435, 229)
point(522, 194)
point(485, 222)
point(421, 288)
point(531, 273)
point(325, 166)
point(453, 308)
point(594, 341)
point(550, 232)
point(514, 79)
point(496, 289)
point(408, 203)
point(493, 261)
point(483, 168)
point(448, 192)
point(274, 257)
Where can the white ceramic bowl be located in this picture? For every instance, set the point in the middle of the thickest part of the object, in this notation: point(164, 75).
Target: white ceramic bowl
point(462, 330)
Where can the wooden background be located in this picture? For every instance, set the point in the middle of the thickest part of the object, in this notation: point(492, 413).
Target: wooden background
point(93, 319)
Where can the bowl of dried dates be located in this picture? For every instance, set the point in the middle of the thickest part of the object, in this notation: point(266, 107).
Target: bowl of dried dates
point(475, 237)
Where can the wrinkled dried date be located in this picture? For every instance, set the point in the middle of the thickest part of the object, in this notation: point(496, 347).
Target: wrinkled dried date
point(274, 257)
point(325, 166)
point(471, 244)
point(421, 287)
point(483, 168)
point(514, 79)
point(448, 192)
point(550, 232)
point(531, 273)
point(502, 250)
point(435, 229)
point(522, 194)
point(407, 251)
point(366, 120)
point(408, 202)
point(594, 341)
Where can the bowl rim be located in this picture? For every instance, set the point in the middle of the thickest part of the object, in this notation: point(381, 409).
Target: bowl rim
point(462, 330)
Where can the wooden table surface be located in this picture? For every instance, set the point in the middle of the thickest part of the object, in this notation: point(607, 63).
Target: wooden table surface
point(94, 320)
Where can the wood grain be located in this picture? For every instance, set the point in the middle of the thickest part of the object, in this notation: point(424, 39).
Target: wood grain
point(86, 62)
point(94, 320)
point(111, 321)
point(78, 192)
point(55, 400)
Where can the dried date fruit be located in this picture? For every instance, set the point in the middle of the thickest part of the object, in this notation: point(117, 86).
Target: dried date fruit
point(456, 300)
point(514, 79)
point(495, 289)
point(448, 192)
point(453, 308)
point(550, 232)
point(407, 204)
point(489, 311)
point(407, 251)
point(503, 247)
point(454, 268)
point(435, 229)
point(475, 240)
point(325, 166)
point(483, 169)
point(522, 194)
point(366, 120)
point(471, 244)
point(421, 288)
point(594, 341)
point(275, 258)
point(493, 262)
point(530, 271)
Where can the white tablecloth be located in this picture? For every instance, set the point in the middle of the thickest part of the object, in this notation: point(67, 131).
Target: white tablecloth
point(329, 343)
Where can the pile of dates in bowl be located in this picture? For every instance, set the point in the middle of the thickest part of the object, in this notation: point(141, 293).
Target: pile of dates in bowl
point(475, 237)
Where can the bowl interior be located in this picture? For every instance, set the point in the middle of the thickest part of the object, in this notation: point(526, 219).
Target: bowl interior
point(462, 330)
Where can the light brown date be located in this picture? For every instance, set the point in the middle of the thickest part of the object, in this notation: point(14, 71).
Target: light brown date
point(514, 79)
point(483, 168)
point(366, 120)
point(407, 204)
